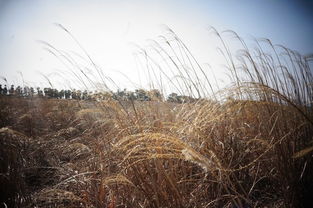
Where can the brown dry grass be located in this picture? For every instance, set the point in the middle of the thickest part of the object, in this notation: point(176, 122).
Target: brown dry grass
point(205, 154)
point(251, 147)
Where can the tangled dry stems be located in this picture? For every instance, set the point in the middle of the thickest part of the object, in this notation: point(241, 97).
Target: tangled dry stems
point(252, 147)
point(204, 154)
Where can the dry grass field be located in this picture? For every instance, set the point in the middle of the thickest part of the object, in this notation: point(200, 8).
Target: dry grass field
point(251, 147)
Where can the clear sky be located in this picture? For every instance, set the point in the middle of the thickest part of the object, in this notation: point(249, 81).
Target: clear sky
point(106, 30)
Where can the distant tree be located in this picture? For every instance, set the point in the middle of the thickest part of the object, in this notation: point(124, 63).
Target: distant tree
point(24, 92)
point(107, 95)
point(141, 95)
point(89, 95)
point(61, 94)
point(78, 95)
point(130, 95)
point(74, 94)
point(173, 97)
point(18, 91)
point(55, 93)
point(48, 92)
point(31, 92)
point(85, 95)
point(39, 92)
point(67, 94)
point(121, 95)
point(12, 90)
point(5, 90)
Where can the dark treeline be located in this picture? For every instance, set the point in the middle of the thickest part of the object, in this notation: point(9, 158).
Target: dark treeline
point(125, 95)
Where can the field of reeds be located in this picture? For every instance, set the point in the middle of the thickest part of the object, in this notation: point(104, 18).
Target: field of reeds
point(246, 145)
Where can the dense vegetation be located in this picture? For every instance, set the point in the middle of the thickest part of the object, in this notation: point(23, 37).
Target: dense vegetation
point(125, 95)
point(249, 145)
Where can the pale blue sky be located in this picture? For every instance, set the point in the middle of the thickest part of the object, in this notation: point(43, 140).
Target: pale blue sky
point(106, 28)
